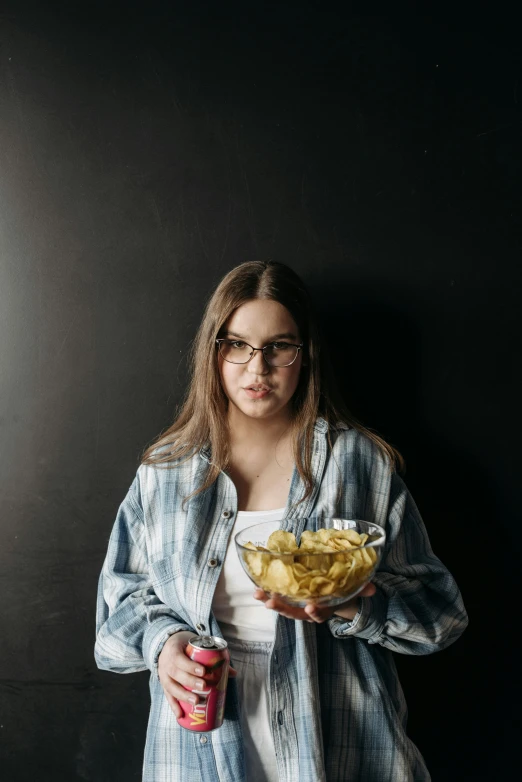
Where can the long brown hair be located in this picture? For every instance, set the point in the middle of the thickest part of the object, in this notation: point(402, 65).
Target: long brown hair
point(202, 418)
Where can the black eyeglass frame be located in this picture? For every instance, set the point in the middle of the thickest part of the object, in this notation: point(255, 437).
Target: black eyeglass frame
point(253, 349)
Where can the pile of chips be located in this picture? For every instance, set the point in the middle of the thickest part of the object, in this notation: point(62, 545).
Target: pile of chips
point(329, 562)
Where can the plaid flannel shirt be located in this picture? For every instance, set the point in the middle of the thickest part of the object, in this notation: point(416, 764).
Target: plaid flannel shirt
point(337, 711)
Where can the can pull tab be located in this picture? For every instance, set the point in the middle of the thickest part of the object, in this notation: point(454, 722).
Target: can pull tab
point(206, 642)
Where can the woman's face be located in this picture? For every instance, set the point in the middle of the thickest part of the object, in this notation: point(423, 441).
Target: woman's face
point(256, 389)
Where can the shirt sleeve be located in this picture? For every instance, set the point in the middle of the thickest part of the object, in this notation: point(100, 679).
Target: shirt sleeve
point(418, 608)
point(132, 624)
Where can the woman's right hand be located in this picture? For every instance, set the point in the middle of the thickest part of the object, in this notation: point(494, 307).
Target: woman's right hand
point(178, 673)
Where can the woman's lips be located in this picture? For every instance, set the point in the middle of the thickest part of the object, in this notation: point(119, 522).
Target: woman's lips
point(257, 392)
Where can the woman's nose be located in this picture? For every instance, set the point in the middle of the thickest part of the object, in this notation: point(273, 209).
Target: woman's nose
point(257, 364)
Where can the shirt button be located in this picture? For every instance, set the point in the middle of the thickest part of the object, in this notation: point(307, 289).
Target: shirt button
point(203, 740)
point(201, 628)
point(212, 562)
point(227, 514)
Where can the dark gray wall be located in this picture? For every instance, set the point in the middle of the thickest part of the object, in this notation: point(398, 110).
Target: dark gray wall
point(145, 149)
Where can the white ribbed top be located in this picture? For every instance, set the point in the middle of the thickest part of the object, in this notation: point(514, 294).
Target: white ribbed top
point(238, 613)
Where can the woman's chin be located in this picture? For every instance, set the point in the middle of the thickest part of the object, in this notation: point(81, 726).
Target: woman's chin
point(258, 409)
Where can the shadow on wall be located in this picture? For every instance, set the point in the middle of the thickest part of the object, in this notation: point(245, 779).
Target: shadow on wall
point(456, 703)
point(374, 349)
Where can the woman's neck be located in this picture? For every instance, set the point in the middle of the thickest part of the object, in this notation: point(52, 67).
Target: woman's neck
point(264, 432)
point(261, 461)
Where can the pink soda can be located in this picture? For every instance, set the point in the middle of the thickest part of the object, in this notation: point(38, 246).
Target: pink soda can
point(212, 653)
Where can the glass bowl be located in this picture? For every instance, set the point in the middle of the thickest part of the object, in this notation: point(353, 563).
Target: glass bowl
point(300, 577)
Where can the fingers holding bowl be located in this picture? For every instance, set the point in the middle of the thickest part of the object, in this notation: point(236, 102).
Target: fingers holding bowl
point(313, 611)
point(280, 606)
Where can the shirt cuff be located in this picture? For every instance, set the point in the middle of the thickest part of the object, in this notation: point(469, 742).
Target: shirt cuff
point(368, 622)
point(155, 638)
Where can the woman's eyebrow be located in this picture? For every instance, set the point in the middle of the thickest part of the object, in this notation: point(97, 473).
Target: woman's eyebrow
point(286, 335)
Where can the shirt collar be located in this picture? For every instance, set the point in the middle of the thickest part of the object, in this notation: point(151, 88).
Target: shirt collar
point(320, 426)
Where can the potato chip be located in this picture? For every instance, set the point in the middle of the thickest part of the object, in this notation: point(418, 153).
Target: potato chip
point(299, 570)
point(321, 586)
point(282, 542)
point(279, 577)
point(257, 563)
point(324, 535)
point(317, 547)
point(320, 562)
point(337, 572)
point(341, 544)
point(349, 534)
point(367, 558)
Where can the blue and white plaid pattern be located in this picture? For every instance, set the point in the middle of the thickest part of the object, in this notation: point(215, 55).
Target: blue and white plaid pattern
point(336, 706)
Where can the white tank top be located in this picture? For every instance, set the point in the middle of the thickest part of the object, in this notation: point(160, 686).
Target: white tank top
point(239, 615)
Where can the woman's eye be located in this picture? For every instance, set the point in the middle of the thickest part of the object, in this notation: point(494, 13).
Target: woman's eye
point(237, 344)
point(279, 345)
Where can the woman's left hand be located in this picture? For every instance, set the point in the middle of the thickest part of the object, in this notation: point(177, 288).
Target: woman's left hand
point(313, 612)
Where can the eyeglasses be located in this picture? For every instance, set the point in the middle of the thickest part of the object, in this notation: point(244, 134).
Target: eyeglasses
point(276, 354)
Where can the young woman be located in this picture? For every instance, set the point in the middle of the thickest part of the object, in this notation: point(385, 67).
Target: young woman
point(262, 435)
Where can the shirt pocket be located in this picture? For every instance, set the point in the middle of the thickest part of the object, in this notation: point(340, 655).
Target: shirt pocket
point(167, 582)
